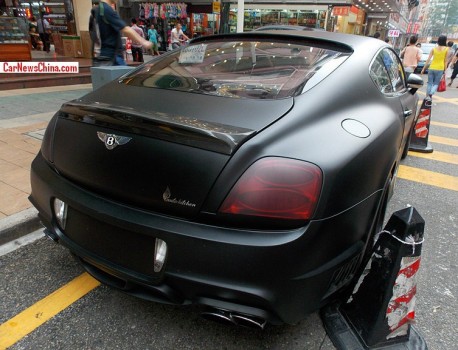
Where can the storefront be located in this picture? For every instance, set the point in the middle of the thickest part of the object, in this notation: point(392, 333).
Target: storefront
point(20, 21)
point(258, 15)
point(348, 19)
point(196, 19)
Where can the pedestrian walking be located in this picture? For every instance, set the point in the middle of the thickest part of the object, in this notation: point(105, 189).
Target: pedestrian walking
point(137, 47)
point(111, 26)
point(450, 53)
point(411, 55)
point(44, 29)
point(454, 65)
point(152, 37)
point(438, 59)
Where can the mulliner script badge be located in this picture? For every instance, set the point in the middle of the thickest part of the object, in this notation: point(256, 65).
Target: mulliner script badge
point(167, 194)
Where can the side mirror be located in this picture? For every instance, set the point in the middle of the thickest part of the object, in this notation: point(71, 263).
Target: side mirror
point(414, 82)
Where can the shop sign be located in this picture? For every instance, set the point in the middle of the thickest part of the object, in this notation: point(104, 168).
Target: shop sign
point(216, 6)
point(341, 11)
point(394, 33)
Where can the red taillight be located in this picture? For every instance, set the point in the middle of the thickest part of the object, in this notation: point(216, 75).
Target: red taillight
point(276, 188)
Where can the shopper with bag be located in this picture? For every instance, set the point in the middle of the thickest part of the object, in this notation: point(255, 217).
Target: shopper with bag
point(436, 70)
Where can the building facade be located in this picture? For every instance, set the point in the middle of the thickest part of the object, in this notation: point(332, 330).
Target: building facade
point(393, 19)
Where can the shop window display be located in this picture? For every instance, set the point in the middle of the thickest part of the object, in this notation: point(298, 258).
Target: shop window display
point(204, 24)
point(255, 18)
point(164, 16)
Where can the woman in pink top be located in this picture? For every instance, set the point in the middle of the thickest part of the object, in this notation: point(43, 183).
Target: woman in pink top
point(411, 55)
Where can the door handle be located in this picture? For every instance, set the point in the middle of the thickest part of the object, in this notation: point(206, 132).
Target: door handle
point(407, 113)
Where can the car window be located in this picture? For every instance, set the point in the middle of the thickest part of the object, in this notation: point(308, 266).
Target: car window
point(387, 72)
point(241, 69)
point(380, 76)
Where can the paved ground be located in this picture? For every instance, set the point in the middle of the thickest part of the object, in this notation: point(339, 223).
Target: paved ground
point(123, 320)
point(23, 116)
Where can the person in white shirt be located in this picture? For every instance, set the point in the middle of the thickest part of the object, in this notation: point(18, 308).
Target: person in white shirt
point(137, 48)
point(177, 36)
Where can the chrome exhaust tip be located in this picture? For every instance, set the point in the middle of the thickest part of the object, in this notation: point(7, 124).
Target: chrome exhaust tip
point(230, 318)
point(249, 321)
point(219, 316)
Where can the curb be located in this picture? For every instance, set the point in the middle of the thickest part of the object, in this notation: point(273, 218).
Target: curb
point(18, 225)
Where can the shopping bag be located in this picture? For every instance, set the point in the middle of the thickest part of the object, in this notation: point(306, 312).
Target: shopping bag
point(442, 85)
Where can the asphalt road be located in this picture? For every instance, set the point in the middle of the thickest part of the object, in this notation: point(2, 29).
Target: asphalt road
point(107, 319)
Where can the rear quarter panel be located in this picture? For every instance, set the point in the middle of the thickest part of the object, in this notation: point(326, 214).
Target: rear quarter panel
point(353, 167)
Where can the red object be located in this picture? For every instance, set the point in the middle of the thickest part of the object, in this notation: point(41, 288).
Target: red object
point(276, 188)
point(422, 126)
point(442, 85)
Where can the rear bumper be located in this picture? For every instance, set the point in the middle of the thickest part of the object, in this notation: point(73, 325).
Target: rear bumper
point(280, 276)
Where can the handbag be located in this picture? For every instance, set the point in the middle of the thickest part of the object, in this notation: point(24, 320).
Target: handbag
point(442, 85)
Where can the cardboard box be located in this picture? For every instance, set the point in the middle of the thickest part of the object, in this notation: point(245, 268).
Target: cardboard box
point(72, 46)
point(86, 44)
point(58, 45)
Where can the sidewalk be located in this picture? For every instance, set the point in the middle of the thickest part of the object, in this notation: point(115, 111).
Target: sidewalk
point(24, 115)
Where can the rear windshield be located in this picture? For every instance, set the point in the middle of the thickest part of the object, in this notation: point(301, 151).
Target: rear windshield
point(240, 69)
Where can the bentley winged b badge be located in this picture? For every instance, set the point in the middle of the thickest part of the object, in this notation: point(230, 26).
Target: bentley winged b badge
point(112, 140)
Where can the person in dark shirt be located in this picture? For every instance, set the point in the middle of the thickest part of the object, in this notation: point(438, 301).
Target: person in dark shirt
point(111, 27)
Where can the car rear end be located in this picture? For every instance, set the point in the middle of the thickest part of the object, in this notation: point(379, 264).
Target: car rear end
point(162, 184)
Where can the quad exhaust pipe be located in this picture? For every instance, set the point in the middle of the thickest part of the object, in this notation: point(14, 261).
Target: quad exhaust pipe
point(230, 318)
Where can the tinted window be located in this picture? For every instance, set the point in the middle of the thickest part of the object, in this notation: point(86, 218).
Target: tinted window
point(387, 73)
point(240, 69)
point(380, 76)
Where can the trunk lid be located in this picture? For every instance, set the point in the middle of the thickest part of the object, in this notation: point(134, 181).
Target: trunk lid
point(155, 149)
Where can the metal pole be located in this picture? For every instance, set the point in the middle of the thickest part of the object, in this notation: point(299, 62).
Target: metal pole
point(240, 15)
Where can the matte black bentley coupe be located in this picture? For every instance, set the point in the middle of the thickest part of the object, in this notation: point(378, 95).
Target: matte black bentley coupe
point(247, 173)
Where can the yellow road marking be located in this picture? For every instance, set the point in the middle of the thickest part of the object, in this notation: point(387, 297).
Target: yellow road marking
point(443, 140)
point(437, 98)
point(447, 125)
point(428, 177)
point(28, 320)
point(438, 156)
